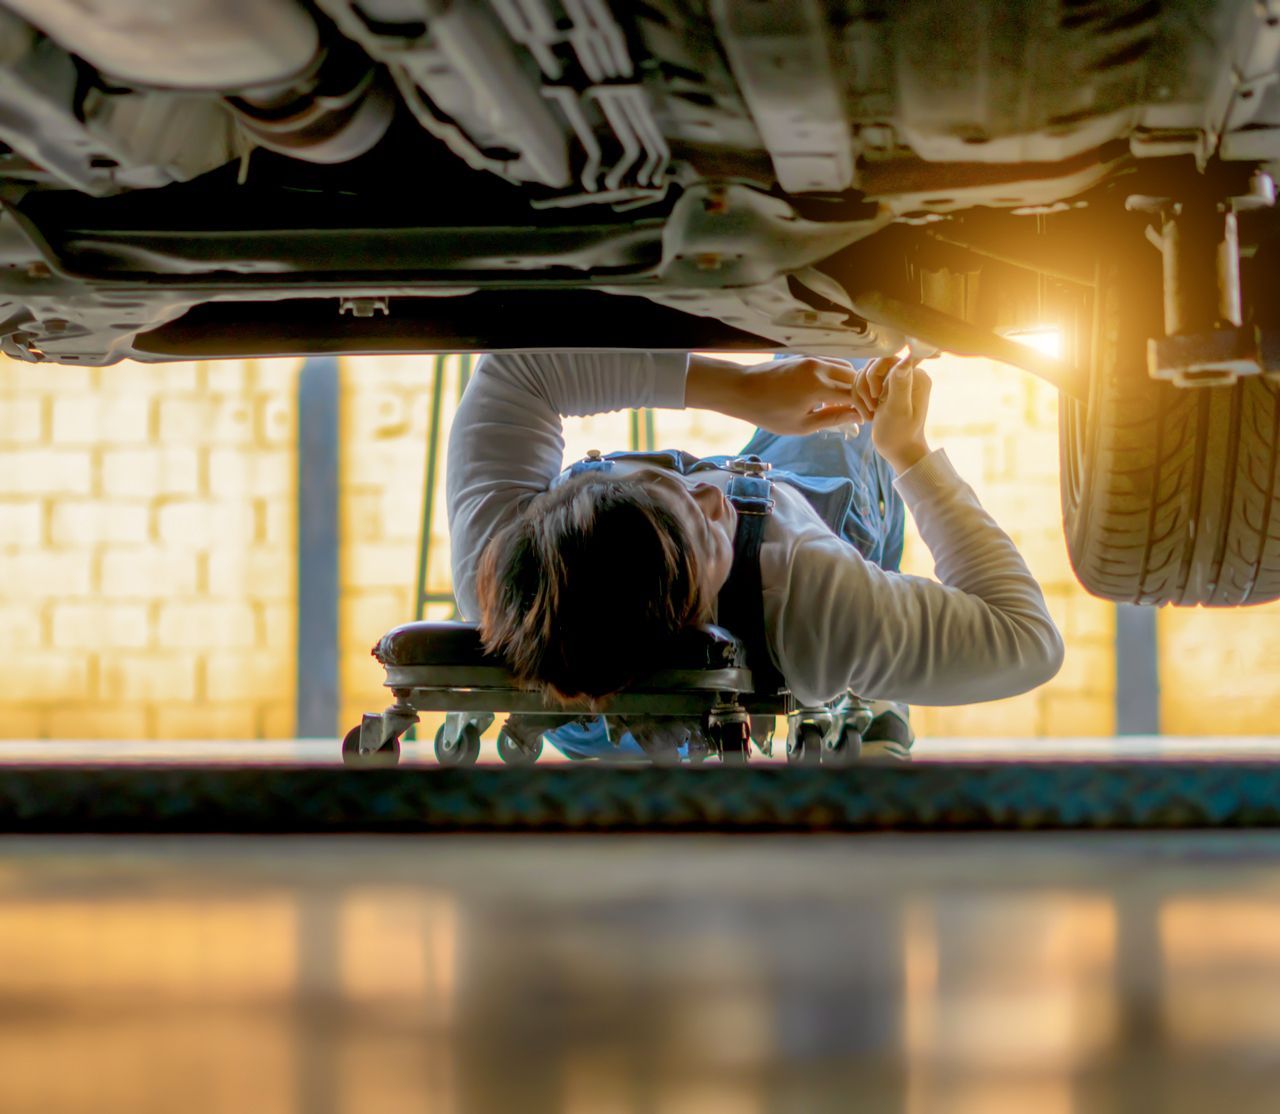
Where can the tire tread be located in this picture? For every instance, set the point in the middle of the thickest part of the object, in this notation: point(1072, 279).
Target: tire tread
point(1176, 497)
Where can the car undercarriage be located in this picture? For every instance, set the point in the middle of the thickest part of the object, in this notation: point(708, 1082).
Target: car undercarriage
point(208, 179)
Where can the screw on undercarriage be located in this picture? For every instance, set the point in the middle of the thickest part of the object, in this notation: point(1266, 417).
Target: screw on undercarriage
point(364, 307)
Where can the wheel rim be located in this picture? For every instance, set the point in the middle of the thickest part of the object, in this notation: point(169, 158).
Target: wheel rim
point(515, 753)
point(807, 746)
point(845, 749)
point(386, 755)
point(462, 752)
point(735, 747)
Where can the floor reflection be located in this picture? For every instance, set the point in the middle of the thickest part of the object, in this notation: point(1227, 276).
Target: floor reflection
point(634, 975)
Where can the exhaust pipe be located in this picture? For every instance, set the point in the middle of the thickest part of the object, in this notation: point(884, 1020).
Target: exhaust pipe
point(187, 45)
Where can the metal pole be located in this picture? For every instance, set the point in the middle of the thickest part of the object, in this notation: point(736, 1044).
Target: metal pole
point(429, 497)
point(642, 434)
point(435, 447)
point(316, 668)
point(1137, 671)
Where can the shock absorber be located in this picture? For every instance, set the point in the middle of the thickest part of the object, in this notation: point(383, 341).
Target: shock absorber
point(1206, 341)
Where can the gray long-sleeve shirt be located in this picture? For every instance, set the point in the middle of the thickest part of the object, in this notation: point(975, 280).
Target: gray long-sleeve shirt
point(834, 620)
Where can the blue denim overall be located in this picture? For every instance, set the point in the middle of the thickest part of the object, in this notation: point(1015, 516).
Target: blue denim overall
point(844, 479)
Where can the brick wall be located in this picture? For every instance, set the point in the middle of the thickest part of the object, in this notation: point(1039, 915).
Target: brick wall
point(147, 550)
point(385, 420)
point(1217, 671)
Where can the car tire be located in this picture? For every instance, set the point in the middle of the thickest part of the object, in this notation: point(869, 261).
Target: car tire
point(1169, 495)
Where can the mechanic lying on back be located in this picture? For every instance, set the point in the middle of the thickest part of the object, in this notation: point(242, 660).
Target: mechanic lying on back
point(582, 579)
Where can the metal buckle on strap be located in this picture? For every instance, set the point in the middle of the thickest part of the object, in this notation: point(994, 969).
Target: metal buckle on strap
point(750, 490)
point(749, 466)
point(594, 461)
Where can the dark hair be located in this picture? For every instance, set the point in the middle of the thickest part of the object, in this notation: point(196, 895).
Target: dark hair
point(588, 588)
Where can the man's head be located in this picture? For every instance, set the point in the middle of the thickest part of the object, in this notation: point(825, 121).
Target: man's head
point(591, 585)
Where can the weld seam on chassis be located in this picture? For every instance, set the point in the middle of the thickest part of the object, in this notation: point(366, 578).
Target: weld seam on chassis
point(927, 797)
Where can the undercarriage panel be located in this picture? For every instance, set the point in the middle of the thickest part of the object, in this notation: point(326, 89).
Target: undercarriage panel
point(713, 169)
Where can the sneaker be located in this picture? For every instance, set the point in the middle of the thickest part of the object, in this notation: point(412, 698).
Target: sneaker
point(889, 736)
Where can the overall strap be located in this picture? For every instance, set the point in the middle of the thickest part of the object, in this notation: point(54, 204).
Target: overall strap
point(741, 602)
point(673, 459)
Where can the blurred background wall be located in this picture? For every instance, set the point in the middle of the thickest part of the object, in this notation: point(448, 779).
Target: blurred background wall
point(149, 562)
point(147, 569)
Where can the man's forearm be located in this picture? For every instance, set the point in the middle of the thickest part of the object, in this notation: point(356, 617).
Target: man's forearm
point(713, 384)
point(903, 459)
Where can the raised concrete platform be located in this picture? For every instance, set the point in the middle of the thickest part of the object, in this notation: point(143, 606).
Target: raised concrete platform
point(300, 787)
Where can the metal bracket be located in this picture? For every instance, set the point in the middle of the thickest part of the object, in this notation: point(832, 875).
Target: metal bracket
point(749, 466)
point(725, 713)
point(725, 234)
point(1206, 341)
point(953, 334)
point(364, 307)
point(456, 722)
point(376, 731)
point(781, 57)
point(1216, 358)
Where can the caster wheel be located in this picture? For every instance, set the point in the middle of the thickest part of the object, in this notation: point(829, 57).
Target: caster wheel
point(516, 752)
point(805, 747)
point(463, 752)
point(387, 755)
point(735, 745)
point(845, 750)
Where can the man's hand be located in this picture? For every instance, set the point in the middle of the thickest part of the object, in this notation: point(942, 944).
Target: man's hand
point(801, 394)
point(893, 394)
point(805, 393)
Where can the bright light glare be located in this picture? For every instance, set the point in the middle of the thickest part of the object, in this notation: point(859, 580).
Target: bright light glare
point(1048, 341)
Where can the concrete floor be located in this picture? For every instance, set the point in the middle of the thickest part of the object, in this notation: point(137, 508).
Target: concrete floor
point(590, 975)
